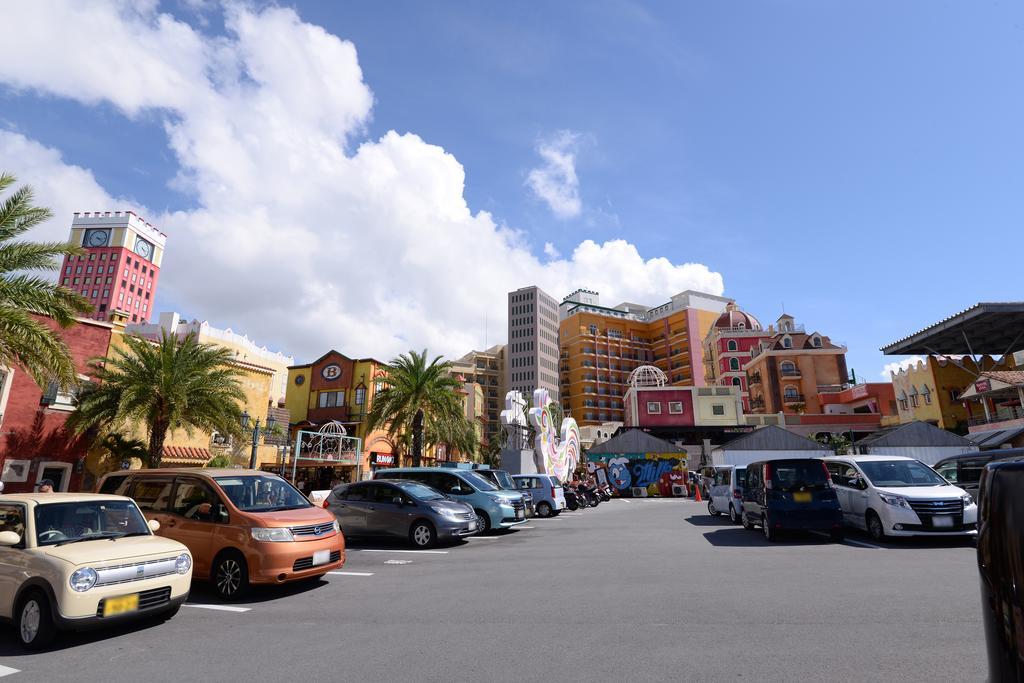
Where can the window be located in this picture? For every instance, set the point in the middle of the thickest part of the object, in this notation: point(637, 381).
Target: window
point(152, 495)
point(732, 345)
point(734, 364)
point(790, 392)
point(67, 281)
point(78, 280)
point(816, 342)
point(12, 518)
point(737, 382)
point(927, 393)
point(78, 270)
point(88, 269)
point(653, 408)
point(787, 343)
point(195, 500)
point(110, 280)
point(718, 409)
point(360, 397)
point(68, 270)
point(788, 367)
point(332, 399)
point(675, 407)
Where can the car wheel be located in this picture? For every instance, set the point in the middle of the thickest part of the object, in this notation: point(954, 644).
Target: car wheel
point(734, 516)
point(543, 509)
point(770, 534)
point(712, 509)
point(745, 521)
point(35, 621)
point(231, 576)
point(874, 524)
point(483, 521)
point(422, 535)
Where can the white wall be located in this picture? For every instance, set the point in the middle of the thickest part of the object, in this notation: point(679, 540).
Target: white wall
point(929, 455)
point(729, 457)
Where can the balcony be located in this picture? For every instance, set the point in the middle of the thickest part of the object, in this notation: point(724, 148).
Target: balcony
point(754, 378)
point(790, 372)
point(1002, 415)
point(757, 404)
point(792, 398)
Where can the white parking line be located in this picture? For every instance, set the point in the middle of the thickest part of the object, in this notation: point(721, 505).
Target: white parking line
point(863, 544)
point(526, 527)
point(222, 608)
point(7, 671)
point(383, 550)
point(350, 573)
point(481, 538)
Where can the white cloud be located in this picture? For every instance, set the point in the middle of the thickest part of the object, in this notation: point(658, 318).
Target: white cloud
point(306, 236)
point(551, 251)
point(903, 364)
point(555, 181)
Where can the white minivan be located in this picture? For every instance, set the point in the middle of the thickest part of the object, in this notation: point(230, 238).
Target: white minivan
point(725, 491)
point(890, 495)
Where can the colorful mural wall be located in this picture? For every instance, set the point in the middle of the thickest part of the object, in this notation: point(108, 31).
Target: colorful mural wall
point(655, 472)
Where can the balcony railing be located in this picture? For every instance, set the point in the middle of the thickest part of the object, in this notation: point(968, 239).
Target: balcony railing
point(1003, 415)
point(793, 398)
point(790, 372)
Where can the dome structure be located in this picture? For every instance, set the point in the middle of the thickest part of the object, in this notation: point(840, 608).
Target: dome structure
point(734, 317)
point(647, 376)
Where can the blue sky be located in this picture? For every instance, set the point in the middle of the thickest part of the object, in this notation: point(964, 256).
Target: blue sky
point(854, 162)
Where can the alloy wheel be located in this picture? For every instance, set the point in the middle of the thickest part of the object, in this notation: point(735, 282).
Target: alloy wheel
point(421, 536)
point(229, 577)
point(875, 527)
point(30, 616)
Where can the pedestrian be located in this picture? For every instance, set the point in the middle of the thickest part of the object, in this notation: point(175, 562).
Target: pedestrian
point(45, 486)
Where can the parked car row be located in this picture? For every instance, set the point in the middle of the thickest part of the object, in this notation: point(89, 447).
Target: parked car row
point(883, 495)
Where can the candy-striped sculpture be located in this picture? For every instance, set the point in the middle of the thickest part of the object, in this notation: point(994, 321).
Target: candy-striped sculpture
point(558, 456)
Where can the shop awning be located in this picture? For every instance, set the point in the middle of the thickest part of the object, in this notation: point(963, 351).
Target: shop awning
point(993, 438)
point(993, 328)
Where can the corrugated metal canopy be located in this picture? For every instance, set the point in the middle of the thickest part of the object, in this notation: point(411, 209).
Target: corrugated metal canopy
point(772, 438)
point(912, 434)
point(635, 441)
point(992, 328)
point(993, 438)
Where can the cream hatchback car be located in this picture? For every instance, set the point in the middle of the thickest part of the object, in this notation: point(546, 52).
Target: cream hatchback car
point(80, 560)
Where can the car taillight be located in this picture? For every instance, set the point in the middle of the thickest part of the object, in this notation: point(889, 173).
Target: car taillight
point(768, 476)
point(325, 503)
point(553, 492)
point(828, 476)
point(736, 493)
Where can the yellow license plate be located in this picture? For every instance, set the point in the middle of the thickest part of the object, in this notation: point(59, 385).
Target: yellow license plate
point(802, 497)
point(125, 603)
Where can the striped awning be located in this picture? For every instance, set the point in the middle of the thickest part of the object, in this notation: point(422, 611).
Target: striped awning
point(185, 455)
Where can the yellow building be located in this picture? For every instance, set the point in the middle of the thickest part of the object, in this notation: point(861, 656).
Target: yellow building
point(600, 346)
point(929, 389)
point(487, 369)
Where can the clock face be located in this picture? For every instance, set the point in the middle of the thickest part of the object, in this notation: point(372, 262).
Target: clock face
point(143, 248)
point(97, 238)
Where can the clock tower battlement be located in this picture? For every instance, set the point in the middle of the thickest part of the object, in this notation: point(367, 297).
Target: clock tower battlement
point(120, 268)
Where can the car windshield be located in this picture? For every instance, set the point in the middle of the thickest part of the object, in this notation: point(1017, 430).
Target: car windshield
point(419, 491)
point(60, 523)
point(482, 483)
point(798, 475)
point(504, 479)
point(739, 477)
point(897, 473)
point(262, 493)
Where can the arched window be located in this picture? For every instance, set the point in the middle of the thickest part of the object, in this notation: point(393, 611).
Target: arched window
point(787, 343)
point(737, 382)
point(790, 392)
point(816, 342)
point(741, 325)
point(734, 364)
point(788, 367)
point(732, 345)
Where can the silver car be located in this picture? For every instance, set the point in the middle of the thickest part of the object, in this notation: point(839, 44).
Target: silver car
point(397, 507)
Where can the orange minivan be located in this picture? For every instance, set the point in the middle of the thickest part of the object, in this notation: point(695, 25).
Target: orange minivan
point(242, 526)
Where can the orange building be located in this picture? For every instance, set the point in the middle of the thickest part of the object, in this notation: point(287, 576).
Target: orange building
point(791, 368)
point(600, 346)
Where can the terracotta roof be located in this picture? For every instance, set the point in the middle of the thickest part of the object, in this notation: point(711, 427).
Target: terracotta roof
point(1008, 376)
point(733, 316)
point(186, 454)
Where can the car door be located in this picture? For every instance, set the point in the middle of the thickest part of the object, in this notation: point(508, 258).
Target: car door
point(13, 560)
point(840, 482)
point(753, 494)
point(858, 496)
point(352, 507)
point(386, 517)
point(721, 490)
point(153, 496)
point(195, 516)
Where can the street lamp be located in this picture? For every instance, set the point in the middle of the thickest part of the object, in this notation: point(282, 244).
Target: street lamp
point(257, 431)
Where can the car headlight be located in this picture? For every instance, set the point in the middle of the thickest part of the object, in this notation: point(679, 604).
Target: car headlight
point(895, 501)
point(262, 533)
point(966, 498)
point(445, 512)
point(183, 563)
point(337, 527)
point(83, 579)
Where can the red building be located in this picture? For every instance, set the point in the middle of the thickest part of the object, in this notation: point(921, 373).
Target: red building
point(121, 266)
point(728, 347)
point(33, 442)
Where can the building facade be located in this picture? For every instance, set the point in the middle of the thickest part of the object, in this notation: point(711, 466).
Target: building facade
point(600, 346)
point(929, 390)
point(532, 342)
point(728, 347)
point(791, 366)
point(487, 369)
point(120, 269)
point(671, 406)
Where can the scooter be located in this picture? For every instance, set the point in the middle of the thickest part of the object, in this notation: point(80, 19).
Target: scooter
point(571, 501)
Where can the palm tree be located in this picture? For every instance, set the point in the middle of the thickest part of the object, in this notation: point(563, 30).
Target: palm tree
point(419, 396)
point(172, 384)
point(120, 448)
point(25, 340)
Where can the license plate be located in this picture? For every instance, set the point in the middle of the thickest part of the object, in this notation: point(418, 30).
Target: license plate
point(801, 497)
point(472, 526)
point(942, 522)
point(321, 557)
point(125, 603)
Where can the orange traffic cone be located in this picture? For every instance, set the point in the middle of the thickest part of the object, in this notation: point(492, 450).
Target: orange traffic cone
point(696, 494)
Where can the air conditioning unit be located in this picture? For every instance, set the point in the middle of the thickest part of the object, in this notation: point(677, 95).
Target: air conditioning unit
point(638, 491)
point(678, 490)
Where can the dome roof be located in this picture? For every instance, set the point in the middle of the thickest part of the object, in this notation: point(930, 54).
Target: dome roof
point(734, 317)
point(647, 376)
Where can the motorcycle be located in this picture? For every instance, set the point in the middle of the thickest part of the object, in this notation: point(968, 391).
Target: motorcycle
point(571, 501)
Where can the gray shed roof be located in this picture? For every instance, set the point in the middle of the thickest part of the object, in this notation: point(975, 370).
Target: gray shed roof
point(993, 438)
point(635, 441)
point(914, 433)
point(772, 438)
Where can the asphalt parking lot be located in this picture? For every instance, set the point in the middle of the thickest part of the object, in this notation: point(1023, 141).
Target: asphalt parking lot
point(639, 590)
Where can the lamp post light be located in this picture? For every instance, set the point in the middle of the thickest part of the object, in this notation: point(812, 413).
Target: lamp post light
point(257, 431)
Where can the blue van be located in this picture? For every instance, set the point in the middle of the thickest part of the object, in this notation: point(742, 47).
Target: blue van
point(789, 494)
point(494, 508)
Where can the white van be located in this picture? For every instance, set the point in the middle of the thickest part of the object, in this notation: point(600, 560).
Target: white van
point(889, 495)
point(725, 491)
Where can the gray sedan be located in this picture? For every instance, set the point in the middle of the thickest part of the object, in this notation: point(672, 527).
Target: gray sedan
point(394, 507)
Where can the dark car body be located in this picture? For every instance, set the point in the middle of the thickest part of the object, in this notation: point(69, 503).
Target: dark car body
point(965, 470)
point(383, 507)
point(503, 480)
point(791, 494)
point(1000, 521)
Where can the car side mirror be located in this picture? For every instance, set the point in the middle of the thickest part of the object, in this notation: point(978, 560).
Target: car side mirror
point(154, 525)
point(9, 539)
point(397, 500)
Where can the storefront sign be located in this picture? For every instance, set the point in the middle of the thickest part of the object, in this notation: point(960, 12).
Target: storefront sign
point(382, 459)
point(331, 372)
point(982, 386)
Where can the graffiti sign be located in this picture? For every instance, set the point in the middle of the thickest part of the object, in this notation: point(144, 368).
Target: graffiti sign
point(656, 472)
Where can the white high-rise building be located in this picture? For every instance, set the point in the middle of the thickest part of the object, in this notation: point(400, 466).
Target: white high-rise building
point(532, 356)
